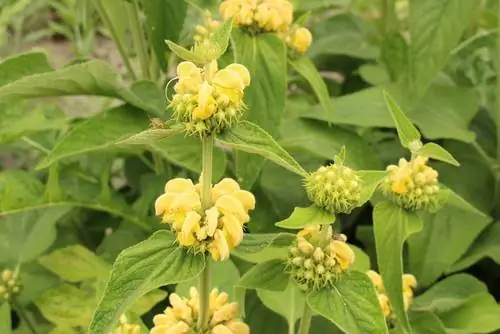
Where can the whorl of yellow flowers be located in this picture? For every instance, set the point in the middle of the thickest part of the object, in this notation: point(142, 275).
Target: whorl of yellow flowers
point(181, 317)
point(217, 229)
point(319, 257)
point(259, 15)
point(409, 284)
point(412, 184)
point(207, 99)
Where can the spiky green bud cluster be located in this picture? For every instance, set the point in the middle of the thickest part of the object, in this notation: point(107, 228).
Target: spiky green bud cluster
point(318, 257)
point(412, 185)
point(9, 285)
point(335, 188)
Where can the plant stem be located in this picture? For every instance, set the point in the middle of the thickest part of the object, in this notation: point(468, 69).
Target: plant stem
point(389, 20)
point(121, 49)
point(497, 114)
point(206, 202)
point(138, 37)
point(305, 321)
point(24, 316)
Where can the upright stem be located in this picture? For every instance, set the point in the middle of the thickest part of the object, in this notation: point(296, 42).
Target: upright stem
point(497, 114)
point(206, 202)
point(389, 21)
point(138, 37)
point(121, 48)
point(24, 316)
point(305, 321)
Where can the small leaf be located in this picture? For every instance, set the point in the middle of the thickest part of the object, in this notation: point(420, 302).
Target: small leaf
point(392, 226)
point(254, 243)
point(75, 264)
point(220, 37)
point(370, 180)
point(139, 269)
point(351, 304)
point(307, 69)
point(5, 319)
point(184, 53)
point(150, 136)
point(250, 138)
point(407, 132)
point(434, 151)
point(270, 275)
point(302, 217)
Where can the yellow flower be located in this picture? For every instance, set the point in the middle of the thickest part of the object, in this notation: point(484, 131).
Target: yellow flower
point(225, 187)
point(342, 253)
point(233, 230)
point(219, 248)
point(376, 280)
point(190, 227)
point(190, 78)
point(238, 327)
point(384, 304)
point(301, 40)
point(206, 102)
point(225, 313)
point(409, 281)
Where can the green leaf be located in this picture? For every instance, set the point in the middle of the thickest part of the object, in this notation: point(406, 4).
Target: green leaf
point(486, 245)
point(20, 65)
point(306, 68)
point(114, 11)
point(63, 330)
point(93, 77)
point(220, 38)
point(260, 319)
point(255, 243)
point(426, 323)
point(448, 294)
point(66, 305)
point(184, 53)
point(5, 319)
point(351, 304)
point(148, 301)
point(288, 303)
point(150, 136)
point(362, 262)
point(270, 276)
point(113, 125)
point(457, 228)
point(407, 132)
point(264, 55)
point(164, 20)
point(21, 191)
point(436, 152)
point(304, 5)
point(249, 137)
point(75, 264)
point(370, 180)
point(26, 235)
point(392, 226)
point(321, 140)
point(302, 217)
point(223, 276)
point(139, 269)
point(436, 27)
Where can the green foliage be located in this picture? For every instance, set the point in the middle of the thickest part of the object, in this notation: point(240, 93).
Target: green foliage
point(302, 217)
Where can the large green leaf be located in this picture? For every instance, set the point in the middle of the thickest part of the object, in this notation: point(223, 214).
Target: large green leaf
point(302, 217)
point(289, 303)
point(164, 20)
point(93, 77)
point(260, 319)
point(407, 132)
point(456, 228)
point(139, 269)
point(392, 226)
point(249, 137)
point(265, 57)
point(270, 275)
point(486, 245)
point(75, 264)
point(306, 68)
point(351, 304)
point(326, 141)
point(21, 191)
point(426, 323)
point(21, 65)
point(5, 319)
point(435, 28)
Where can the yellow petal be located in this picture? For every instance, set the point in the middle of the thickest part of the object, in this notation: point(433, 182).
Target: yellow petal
point(238, 327)
point(302, 40)
point(230, 205)
point(242, 72)
point(233, 229)
point(246, 198)
point(212, 220)
point(186, 68)
point(163, 203)
point(161, 319)
point(409, 281)
point(376, 279)
point(228, 79)
point(189, 228)
point(344, 254)
point(225, 313)
point(187, 201)
point(178, 185)
point(221, 245)
point(179, 328)
point(204, 96)
point(224, 187)
point(221, 329)
point(384, 304)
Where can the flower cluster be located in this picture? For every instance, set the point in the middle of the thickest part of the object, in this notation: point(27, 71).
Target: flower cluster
point(409, 284)
point(216, 229)
point(209, 100)
point(318, 257)
point(258, 15)
point(9, 285)
point(412, 184)
point(205, 31)
point(124, 327)
point(182, 316)
point(335, 188)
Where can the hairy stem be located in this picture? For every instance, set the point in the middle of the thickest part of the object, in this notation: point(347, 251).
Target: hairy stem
point(305, 321)
point(206, 201)
point(121, 48)
point(138, 37)
point(497, 116)
point(24, 316)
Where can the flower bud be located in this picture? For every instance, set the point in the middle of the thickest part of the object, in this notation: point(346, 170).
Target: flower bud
point(304, 246)
point(301, 40)
point(334, 188)
point(318, 255)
